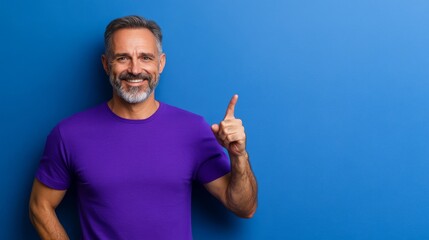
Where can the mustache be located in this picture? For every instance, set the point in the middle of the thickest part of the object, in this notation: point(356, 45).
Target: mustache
point(129, 76)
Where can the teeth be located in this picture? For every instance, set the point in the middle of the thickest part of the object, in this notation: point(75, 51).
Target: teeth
point(135, 80)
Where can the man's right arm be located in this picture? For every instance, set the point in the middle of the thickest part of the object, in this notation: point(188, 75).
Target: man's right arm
point(43, 201)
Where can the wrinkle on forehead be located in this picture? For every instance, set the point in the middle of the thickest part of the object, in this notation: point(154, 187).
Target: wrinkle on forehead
point(134, 42)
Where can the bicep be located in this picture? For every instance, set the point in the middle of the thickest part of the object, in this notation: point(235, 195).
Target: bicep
point(218, 187)
point(44, 196)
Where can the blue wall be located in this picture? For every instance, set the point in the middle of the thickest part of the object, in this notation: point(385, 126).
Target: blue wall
point(334, 95)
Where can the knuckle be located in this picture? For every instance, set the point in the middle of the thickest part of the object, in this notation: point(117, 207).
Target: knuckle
point(227, 131)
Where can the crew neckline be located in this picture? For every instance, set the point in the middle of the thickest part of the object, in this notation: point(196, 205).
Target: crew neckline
point(135, 121)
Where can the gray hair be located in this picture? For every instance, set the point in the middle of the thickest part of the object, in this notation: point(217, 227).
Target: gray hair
point(131, 22)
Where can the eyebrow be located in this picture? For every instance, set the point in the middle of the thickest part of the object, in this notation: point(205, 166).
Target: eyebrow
point(146, 55)
point(121, 55)
point(128, 55)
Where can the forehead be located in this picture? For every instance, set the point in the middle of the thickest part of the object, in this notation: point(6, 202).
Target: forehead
point(128, 40)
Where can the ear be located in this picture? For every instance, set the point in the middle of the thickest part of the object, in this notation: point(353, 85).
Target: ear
point(162, 61)
point(105, 63)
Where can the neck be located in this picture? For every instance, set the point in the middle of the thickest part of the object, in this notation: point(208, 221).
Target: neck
point(133, 111)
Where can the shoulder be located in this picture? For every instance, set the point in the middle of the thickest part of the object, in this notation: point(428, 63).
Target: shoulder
point(185, 121)
point(81, 120)
point(178, 114)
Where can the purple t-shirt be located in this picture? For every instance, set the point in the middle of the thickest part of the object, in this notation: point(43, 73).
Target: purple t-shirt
point(133, 177)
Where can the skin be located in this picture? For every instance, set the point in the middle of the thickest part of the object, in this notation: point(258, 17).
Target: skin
point(135, 51)
point(43, 201)
point(238, 189)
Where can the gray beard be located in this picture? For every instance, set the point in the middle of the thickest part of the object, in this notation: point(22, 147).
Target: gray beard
point(133, 94)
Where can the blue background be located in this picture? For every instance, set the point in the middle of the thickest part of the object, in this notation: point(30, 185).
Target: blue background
point(334, 95)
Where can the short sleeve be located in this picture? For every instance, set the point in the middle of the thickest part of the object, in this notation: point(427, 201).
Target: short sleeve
point(213, 161)
point(53, 169)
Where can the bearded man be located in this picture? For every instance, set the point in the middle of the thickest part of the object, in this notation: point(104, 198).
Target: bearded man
point(133, 159)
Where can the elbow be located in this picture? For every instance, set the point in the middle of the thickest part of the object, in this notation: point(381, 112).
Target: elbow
point(37, 211)
point(250, 214)
point(247, 214)
point(243, 209)
point(33, 212)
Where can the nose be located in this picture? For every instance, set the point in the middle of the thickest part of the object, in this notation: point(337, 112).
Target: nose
point(135, 67)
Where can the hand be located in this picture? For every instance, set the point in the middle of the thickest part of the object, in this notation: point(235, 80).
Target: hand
point(230, 132)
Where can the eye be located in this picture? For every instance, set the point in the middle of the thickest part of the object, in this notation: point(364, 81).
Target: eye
point(121, 59)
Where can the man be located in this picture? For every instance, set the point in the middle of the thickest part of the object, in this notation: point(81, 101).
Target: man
point(133, 159)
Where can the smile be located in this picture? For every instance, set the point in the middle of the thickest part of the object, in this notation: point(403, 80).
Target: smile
point(135, 80)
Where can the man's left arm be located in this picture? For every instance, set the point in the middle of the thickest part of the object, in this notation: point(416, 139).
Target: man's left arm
point(237, 190)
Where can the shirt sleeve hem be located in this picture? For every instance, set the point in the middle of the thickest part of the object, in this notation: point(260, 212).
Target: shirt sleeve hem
point(214, 177)
point(47, 181)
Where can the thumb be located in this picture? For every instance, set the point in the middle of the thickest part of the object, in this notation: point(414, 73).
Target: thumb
point(215, 128)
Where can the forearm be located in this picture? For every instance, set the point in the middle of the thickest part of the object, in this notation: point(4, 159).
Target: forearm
point(47, 224)
point(242, 191)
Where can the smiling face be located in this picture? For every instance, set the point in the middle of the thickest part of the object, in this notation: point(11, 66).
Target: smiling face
point(134, 64)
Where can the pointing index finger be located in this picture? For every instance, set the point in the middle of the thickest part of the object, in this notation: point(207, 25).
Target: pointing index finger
point(231, 107)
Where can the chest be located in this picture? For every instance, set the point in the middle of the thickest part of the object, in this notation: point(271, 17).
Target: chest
point(135, 159)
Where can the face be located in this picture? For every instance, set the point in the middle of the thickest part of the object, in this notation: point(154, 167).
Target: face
point(135, 64)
